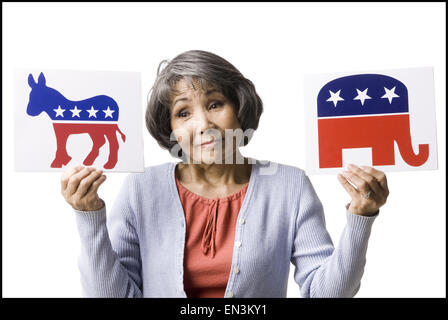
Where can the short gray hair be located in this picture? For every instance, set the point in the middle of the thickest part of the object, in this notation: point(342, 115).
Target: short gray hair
point(211, 71)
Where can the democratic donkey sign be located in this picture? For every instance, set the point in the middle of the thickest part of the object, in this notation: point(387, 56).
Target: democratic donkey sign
point(382, 119)
point(66, 118)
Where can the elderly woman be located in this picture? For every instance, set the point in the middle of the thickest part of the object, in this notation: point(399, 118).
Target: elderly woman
point(216, 224)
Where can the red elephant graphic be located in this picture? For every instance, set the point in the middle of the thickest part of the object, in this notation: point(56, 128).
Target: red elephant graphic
point(96, 116)
point(368, 110)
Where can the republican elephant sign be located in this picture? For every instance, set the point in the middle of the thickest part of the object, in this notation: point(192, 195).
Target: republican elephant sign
point(383, 119)
point(67, 118)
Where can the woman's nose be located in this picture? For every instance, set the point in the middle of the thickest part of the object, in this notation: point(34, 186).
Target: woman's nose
point(202, 121)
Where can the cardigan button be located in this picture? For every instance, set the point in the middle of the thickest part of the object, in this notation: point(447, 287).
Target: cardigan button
point(236, 270)
point(242, 221)
point(230, 294)
point(238, 243)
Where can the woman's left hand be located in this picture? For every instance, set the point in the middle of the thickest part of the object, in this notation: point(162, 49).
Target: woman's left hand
point(371, 189)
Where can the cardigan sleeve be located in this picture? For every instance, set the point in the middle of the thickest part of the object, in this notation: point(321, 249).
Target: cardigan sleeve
point(109, 262)
point(320, 269)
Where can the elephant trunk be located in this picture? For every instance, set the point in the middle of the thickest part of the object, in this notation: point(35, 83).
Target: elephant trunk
point(405, 145)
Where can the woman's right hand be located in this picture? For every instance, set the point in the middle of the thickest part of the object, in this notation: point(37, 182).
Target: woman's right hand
point(79, 186)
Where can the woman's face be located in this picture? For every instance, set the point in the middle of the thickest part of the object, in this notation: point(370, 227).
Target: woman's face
point(198, 116)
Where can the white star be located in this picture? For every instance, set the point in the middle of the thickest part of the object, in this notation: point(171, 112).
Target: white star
point(92, 112)
point(59, 111)
point(362, 95)
point(390, 94)
point(335, 97)
point(75, 112)
point(108, 112)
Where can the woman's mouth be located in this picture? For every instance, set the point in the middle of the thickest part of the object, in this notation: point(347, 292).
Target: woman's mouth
point(209, 144)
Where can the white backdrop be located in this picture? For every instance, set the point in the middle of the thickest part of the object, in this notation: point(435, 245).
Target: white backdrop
point(274, 45)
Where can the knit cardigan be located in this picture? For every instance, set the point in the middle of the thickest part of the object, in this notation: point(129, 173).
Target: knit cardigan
point(137, 248)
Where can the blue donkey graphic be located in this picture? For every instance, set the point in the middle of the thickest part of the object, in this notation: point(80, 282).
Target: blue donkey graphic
point(96, 116)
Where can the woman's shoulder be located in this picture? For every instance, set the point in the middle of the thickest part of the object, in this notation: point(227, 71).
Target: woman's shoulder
point(272, 170)
point(154, 174)
point(281, 180)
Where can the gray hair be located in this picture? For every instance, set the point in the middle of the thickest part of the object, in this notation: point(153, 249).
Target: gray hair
point(211, 71)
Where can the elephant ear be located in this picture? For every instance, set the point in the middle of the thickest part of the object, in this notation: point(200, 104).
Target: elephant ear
point(31, 81)
point(41, 80)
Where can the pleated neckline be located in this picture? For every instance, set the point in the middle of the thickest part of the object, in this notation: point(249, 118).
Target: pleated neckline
point(231, 197)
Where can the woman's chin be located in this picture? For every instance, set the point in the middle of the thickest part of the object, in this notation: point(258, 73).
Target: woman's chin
point(209, 157)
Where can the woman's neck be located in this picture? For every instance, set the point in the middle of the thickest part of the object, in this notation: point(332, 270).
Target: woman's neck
point(214, 174)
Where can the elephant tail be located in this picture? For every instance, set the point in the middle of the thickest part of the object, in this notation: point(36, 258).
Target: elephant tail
point(122, 134)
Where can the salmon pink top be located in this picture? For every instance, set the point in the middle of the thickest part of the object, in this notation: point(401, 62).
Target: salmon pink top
point(210, 236)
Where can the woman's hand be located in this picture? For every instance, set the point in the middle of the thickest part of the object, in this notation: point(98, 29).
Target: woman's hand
point(79, 187)
point(371, 189)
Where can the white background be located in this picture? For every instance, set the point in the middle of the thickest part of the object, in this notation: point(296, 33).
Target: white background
point(274, 45)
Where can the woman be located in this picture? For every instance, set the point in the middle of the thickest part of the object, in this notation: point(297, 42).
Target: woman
point(216, 224)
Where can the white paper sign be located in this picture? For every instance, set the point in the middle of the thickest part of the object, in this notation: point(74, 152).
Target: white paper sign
point(65, 118)
point(385, 119)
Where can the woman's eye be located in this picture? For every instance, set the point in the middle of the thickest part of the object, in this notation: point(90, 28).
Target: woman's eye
point(214, 105)
point(182, 114)
point(217, 104)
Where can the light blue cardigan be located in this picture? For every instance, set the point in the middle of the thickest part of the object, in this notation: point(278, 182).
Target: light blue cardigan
point(139, 250)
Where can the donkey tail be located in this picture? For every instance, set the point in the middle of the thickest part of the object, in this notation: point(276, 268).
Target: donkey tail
point(122, 134)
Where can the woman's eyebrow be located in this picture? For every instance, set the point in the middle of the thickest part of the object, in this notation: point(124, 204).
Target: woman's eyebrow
point(208, 92)
point(178, 100)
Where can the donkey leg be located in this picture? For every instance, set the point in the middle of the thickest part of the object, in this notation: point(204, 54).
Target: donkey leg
point(98, 141)
point(61, 158)
point(113, 149)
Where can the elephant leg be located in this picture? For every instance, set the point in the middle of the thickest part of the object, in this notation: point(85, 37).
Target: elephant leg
point(98, 141)
point(383, 155)
point(330, 139)
point(113, 149)
point(330, 155)
point(61, 157)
